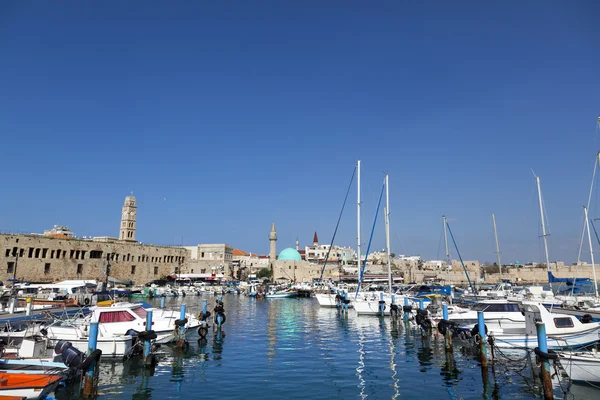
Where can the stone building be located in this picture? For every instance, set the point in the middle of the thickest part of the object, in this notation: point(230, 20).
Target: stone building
point(59, 257)
point(45, 259)
point(210, 258)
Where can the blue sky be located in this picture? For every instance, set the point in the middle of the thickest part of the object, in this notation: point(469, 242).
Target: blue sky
point(242, 113)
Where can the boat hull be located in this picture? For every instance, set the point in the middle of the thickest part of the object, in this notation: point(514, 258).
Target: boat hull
point(581, 367)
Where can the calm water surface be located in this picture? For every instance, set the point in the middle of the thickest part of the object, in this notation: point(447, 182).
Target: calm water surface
point(293, 349)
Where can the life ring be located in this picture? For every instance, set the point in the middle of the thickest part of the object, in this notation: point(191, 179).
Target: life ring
point(40, 288)
point(86, 301)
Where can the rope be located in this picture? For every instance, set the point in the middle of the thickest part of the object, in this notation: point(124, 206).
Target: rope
point(338, 224)
point(461, 260)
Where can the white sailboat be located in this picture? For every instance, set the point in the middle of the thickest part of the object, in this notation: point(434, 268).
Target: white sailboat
point(370, 303)
point(333, 296)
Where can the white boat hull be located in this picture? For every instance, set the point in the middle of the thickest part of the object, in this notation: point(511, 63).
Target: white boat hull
point(583, 367)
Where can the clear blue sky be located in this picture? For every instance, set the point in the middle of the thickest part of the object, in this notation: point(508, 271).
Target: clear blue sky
point(241, 113)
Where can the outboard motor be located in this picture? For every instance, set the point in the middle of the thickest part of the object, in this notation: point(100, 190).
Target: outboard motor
point(71, 357)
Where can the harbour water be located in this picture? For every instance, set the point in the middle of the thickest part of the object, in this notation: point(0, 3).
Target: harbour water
point(293, 349)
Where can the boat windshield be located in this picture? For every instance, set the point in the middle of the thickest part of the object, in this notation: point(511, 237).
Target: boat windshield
point(496, 307)
point(140, 311)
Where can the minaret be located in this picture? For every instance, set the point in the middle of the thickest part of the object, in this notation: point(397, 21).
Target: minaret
point(315, 239)
point(297, 244)
point(127, 233)
point(273, 241)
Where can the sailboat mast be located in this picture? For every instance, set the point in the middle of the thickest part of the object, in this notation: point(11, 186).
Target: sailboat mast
point(445, 227)
point(589, 235)
point(358, 217)
point(539, 188)
point(387, 230)
point(581, 238)
point(497, 247)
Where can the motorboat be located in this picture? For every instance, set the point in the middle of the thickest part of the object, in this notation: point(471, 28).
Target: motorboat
point(563, 331)
point(118, 328)
point(581, 366)
point(28, 386)
point(501, 316)
point(281, 294)
point(535, 293)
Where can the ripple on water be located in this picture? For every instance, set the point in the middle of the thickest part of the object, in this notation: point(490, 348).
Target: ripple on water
point(293, 349)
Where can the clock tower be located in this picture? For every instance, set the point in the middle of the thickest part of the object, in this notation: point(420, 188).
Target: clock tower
point(128, 215)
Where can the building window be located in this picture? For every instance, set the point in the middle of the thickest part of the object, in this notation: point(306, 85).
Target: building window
point(79, 269)
point(10, 267)
point(47, 268)
point(21, 251)
point(203, 271)
point(132, 269)
point(155, 270)
point(37, 253)
point(202, 255)
point(7, 252)
point(192, 270)
point(95, 254)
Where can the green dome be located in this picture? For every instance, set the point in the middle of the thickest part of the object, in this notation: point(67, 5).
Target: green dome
point(289, 254)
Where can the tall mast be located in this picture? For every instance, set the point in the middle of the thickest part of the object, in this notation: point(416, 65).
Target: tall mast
point(387, 230)
point(589, 235)
point(539, 188)
point(358, 217)
point(581, 238)
point(446, 241)
point(497, 247)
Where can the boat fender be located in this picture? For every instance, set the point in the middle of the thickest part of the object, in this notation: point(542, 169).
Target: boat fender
point(394, 307)
point(181, 322)
point(219, 309)
point(202, 332)
point(406, 308)
point(346, 301)
point(131, 332)
point(94, 356)
point(44, 331)
point(147, 335)
point(223, 318)
point(422, 312)
point(151, 360)
point(586, 319)
point(443, 326)
point(426, 324)
point(475, 330)
point(550, 355)
point(86, 301)
point(204, 316)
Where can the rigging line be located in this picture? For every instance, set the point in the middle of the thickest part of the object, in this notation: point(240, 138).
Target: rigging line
point(440, 245)
point(362, 271)
point(338, 224)
point(461, 260)
point(400, 241)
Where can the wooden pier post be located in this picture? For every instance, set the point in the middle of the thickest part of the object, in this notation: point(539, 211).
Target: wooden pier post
point(542, 353)
point(90, 379)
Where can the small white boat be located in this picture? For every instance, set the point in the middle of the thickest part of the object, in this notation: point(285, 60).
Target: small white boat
point(281, 294)
point(563, 331)
point(581, 366)
point(501, 316)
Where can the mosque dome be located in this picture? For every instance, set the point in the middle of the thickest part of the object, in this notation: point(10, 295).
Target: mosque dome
point(289, 254)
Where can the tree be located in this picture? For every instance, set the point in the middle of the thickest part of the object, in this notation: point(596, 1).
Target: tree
point(265, 273)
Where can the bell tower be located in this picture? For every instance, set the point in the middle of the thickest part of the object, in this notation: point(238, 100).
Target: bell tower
point(128, 216)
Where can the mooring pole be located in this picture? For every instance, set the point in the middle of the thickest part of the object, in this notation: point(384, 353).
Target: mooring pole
point(219, 317)
point(181, 327)
point(421, 304)
point(545, 373)
point(148, 359)
point(28, 306)
point(204, 306)
point(162, 302)
point(346, 302)
point(406, 310)
point(448, 333)
point(381, 305)
point(482, 339)
point(90, 379)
